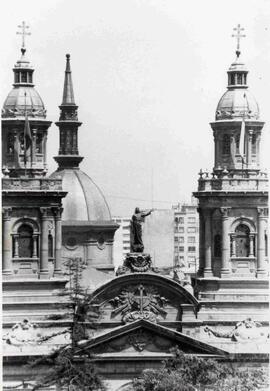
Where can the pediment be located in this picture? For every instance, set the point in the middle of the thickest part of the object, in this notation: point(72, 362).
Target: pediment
point(143, 296)
point(144, 336)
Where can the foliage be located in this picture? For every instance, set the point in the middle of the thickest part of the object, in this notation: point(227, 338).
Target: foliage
point(64, 367)
point(187, 372)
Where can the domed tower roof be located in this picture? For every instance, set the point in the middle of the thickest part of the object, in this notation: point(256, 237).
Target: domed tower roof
point(23, 97)
point(84, 201)
point(237, 102)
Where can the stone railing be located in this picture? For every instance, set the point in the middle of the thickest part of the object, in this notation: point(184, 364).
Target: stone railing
point(231, 184)
point(31, 184)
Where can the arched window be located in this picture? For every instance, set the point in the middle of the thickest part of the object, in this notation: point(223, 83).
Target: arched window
point(50, 246)
point(217, 245)
point(242, 244)
point(226, 144)
point(25, 241)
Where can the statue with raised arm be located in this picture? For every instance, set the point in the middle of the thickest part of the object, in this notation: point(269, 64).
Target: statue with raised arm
point(136, 243)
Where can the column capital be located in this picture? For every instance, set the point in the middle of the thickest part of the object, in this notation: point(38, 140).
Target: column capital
point(261, 212)
point(44, 212)
point(57, 211)
point(6, 212)
point(224, 211)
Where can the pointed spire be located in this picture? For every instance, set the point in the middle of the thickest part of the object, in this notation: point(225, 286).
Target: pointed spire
point(68, 94)
point(68, 155)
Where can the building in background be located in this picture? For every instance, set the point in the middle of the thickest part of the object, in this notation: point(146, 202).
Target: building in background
point(186, 235)
point(158, 237)
point(121, 246)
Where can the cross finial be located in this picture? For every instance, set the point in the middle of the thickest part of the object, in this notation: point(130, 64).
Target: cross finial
point(23, 33)
point(238, 36)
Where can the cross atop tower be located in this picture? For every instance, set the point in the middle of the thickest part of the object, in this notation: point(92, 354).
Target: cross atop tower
point(238, 36)
point(23, 33)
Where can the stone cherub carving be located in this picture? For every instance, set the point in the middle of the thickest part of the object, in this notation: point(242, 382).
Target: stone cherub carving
point(247, 329)
point(136, 243)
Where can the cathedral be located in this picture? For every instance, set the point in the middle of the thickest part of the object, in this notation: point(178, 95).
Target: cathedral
point(143, 313)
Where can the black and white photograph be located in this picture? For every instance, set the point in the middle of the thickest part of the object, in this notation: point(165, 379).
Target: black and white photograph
point(135, 157)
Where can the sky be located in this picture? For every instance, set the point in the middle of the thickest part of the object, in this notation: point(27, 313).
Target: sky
point(147, 76)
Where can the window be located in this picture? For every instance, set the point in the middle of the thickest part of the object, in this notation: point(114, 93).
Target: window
point(239, 78)
point(176, 239)
point(217, 245)
point(191, 230)
point(226, 144)
point(25, 241)
point(23, 77)
point(191, 239)
point(10, 143)
point(17, 78)
point(50, 246)
point(242, 241)
point(181, 220)
point(192, 219)
point(192, 249)
point(39, 143)
point(181, 248)
point(237, 141)
point(253, 146)
point(181, 239)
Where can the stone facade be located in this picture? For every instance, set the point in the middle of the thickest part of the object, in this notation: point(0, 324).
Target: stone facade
point(143, 312)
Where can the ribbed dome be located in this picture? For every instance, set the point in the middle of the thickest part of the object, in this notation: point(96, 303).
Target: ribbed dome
point(23, 98)
point(237, 103)
point(84, 201)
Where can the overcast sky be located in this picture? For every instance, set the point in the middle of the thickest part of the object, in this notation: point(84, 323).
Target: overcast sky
point(147, 76)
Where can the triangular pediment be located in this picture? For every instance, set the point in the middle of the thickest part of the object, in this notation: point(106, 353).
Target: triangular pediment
point(144, 336)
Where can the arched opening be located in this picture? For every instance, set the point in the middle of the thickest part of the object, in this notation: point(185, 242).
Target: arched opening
point(242, 241)
point(217, 246)
point(25, 241)
point(50, 246)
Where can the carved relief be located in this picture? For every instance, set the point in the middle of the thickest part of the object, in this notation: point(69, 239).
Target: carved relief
point(22, 333)
point(138, 263)
point(244, 330)
point(139, 303)
point(140, 340)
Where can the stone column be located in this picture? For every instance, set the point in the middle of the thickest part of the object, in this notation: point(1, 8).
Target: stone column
point(233, 237)
point(251, 245)
point(201, 243)
point(7, 242)
point(249, 148)
point(45, 148)
point(58, 240)
point(16, 246)
point(261, 267)
point(34, 144)
point(225, 260)
point(258, 149)
point(216, 148)
point(44, 269)
point(35, 246)
point(208, 244)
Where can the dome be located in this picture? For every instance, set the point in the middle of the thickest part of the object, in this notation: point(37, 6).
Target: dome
point(21, 99)
point(84, 201)
point(237, 103)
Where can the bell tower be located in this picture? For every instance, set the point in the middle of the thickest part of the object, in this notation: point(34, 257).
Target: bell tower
point(24, 123)
point(32, 203)
point(233, 199)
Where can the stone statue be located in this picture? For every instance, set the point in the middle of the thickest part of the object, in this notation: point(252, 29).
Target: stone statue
point(136, 243)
